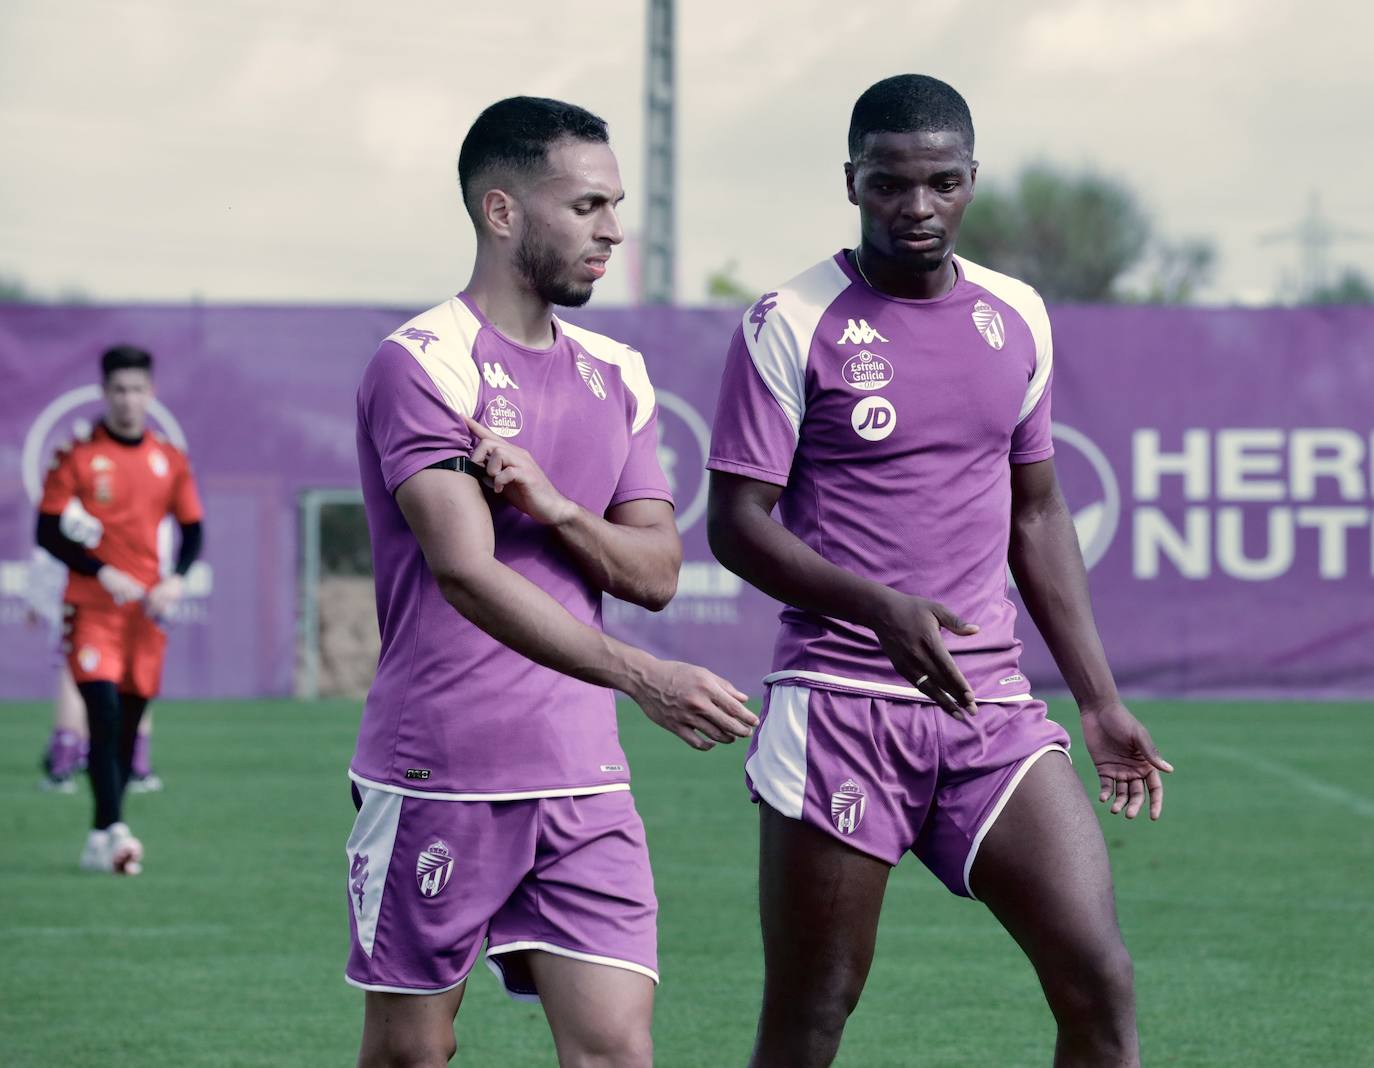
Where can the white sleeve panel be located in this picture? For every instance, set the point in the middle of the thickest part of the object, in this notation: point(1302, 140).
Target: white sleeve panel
point(442, 340)
point(779, 328)
point(630, 362)
point(1027, 303)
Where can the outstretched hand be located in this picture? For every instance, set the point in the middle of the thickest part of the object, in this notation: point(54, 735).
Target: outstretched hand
point(698, 706)
point(1127, 760)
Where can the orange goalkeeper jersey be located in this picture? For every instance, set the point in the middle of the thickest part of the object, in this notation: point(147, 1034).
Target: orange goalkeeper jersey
point(129, 488)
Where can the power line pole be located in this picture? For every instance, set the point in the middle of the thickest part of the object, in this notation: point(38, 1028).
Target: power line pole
point(659, 260)
point(1314, 236)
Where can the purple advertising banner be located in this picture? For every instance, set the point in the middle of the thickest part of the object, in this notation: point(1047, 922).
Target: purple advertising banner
point(1217, 462)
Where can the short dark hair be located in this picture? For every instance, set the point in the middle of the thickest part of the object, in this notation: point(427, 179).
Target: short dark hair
point(125, 358)
point(515, 134)
point(906, 103)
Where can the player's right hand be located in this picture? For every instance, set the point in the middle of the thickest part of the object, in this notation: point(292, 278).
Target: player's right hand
point(119, 585)
point(909, 634)
point(699, 707)
point(513, 473)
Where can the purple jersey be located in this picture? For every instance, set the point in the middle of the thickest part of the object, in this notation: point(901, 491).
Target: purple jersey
point(891, 425)
point(452, 712)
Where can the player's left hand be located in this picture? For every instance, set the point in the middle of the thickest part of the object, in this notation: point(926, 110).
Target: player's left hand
point(164, 596)
point(512, 472)
point(1128, 762)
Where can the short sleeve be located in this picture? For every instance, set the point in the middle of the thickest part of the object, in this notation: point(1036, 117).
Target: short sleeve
point(757, 420)
point(59, 488)
point(408, 421)
point(186, 507)
point(1032, 439)
point(642, 477)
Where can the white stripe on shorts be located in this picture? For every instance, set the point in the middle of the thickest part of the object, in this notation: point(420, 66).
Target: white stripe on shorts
point(558, 951)
point(1007, 791)
point(778, 766)
point(824, 681)
point(372, 840)
point(509, 795)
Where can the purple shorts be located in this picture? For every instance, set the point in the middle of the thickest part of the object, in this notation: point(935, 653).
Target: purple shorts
point(887, 776)
point(429, 881)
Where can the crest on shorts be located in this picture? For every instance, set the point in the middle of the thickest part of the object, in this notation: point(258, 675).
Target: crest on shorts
point(847, 807)
point(434, 868)
point(989, 323)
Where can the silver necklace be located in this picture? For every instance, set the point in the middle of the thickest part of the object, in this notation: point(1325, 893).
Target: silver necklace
point(860, 268)
point(858, 264)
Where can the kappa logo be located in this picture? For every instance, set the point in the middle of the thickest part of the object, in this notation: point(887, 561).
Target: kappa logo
point(358, 874)
point(873, 418)
point(496, 376)
point(434, 868)
point(88, 659)
point(989, 323)
point(859, 333)
point(158, 462)
point(503, 417)
point(98, 463)
point(424, 337)
point(847, 806)
point(759, 313)
point(591, 376)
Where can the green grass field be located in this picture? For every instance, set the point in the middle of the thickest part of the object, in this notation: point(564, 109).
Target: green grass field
point(1248, 907)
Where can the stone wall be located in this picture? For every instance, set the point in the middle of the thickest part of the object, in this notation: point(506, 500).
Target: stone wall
point(349, 642)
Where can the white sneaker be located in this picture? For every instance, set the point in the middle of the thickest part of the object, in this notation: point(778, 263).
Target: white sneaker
point(126, 851)
point(145, 784)
point(57, 786)
point(96, 855)
point(115, 851)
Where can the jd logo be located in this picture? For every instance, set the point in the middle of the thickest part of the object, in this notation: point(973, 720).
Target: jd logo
point(873, 418)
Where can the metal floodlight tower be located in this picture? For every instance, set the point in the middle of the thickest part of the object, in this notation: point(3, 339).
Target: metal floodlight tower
point(1314, 236)
point(659, 258)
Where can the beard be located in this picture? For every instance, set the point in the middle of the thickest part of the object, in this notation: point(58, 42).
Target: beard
point(546, 273)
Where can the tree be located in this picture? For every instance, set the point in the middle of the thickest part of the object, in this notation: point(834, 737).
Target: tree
point(1352, 287)
point(722, 287)
point(1177, 270)
point(13, 291)
point(1076, 237)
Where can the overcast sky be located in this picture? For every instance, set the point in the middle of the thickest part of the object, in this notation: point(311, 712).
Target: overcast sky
point(295, 150)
